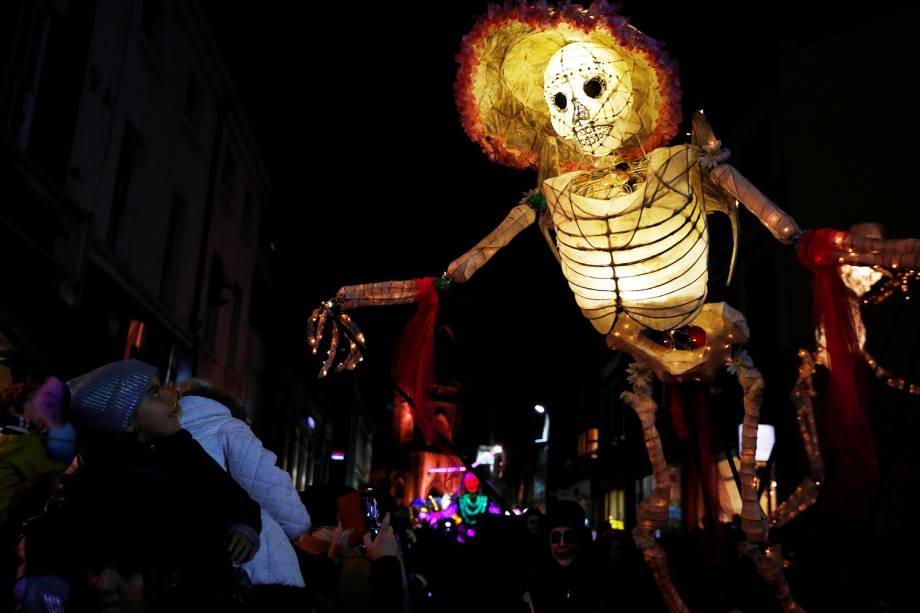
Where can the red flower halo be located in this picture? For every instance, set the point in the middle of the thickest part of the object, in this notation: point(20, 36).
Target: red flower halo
point(511, 121)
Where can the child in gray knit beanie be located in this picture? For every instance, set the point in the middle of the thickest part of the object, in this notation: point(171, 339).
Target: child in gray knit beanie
point(108, 399)
point(143, 508)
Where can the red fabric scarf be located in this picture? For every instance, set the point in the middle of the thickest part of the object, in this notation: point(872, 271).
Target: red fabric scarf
point(849, 441)
point(702, 469)
point(413, 363)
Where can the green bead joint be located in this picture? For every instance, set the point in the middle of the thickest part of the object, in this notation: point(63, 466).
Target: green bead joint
point(536, 201)
point(442, 284)
point(334, 306)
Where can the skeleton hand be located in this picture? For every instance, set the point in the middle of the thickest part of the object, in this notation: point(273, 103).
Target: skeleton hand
point(327, 312)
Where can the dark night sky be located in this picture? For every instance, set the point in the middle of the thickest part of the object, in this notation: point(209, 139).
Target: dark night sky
point(374, 179)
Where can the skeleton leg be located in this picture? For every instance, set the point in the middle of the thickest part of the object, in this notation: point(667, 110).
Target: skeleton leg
point(653, 511)
point(767, 558)
point(806, 494)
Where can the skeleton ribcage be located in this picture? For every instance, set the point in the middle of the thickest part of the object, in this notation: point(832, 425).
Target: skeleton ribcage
point(643, 253)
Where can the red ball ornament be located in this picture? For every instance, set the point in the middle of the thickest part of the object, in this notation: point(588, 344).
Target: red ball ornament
point(697, 337)
point(666, 341)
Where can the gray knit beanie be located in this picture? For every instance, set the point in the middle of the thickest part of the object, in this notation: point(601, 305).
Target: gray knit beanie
point(106, 398)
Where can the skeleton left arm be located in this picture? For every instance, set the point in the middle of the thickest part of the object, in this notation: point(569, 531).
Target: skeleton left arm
point(780, 224)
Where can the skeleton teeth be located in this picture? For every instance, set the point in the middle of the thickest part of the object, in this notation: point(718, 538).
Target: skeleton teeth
point(589, 134)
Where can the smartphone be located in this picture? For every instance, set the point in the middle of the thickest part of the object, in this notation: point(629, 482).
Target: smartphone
point(371, 513)
point(359, 511)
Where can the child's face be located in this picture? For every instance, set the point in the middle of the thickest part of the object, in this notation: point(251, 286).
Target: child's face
point(115, 593)
point(533, 524)
point(158, 413)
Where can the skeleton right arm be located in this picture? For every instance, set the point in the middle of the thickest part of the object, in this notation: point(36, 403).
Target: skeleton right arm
point(461, 269)
point(401, 292)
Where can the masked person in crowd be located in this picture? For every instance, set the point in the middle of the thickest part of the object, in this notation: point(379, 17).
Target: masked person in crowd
point(567, 579)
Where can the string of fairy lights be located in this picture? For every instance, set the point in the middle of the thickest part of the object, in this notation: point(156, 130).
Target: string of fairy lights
point(892, 282)
point(806, 494)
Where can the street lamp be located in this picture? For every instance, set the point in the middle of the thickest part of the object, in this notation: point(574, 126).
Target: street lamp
point(540, 475)
point(541, 410)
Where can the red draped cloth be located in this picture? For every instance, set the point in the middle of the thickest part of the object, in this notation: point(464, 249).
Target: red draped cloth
point(413, 363)
point(703, 472)
point(849, 442)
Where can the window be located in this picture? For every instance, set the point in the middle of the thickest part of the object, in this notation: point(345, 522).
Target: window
point(591, 445)
point(129, 160)
point(25, 25)
point(193, 102)
point(588, 443)
point(615, 509)
point(172, 258)
point(134, 342)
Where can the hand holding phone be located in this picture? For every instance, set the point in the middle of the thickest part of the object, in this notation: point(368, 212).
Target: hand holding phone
point(384, 544)
point(339, 544)
point(371, 513)
point(358, 512)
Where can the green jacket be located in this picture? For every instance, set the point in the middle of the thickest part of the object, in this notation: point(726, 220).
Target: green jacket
point(22, 457)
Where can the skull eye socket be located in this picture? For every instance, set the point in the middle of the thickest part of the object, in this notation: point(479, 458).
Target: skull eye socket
point(560, 101)
point(593, 87)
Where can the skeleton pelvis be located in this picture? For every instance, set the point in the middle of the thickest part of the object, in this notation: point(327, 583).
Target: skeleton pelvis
point(724, 327)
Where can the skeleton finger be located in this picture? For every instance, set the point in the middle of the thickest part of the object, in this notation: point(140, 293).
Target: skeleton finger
point(312, 340)
point(356, 354)
point(352, 328)
point(333, 346)
point(323, 314)
point(351, 361)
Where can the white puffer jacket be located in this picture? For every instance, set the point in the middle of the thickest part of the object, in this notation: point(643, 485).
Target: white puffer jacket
point(233, 445)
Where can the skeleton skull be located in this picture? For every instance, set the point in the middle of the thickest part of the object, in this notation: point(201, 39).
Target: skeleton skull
point(588, 88)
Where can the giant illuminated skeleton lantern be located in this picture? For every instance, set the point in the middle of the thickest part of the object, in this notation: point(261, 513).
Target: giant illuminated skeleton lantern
point(590, 102)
